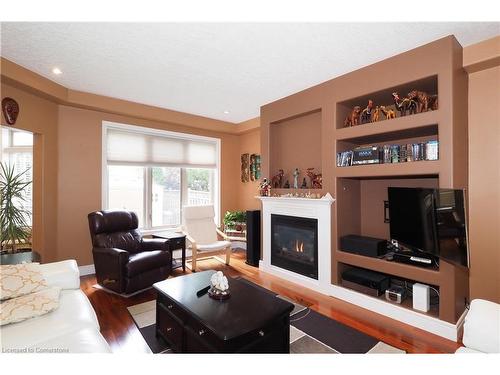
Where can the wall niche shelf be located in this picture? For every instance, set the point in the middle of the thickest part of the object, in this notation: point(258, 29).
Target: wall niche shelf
point(406, 169)
point(384, 98)
point(295, 142)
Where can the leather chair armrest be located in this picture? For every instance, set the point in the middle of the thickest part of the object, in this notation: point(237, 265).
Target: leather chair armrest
point(109, 263)
point(150, 244)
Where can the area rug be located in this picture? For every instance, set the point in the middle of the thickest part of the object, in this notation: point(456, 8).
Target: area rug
point(310, 332)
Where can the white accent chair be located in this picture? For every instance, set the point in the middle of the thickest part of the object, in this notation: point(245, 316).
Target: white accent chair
point(202, 235)
point(481, 328)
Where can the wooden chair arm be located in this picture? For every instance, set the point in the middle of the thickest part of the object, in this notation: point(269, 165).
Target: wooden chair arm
point(222, 234)
point(190, 239)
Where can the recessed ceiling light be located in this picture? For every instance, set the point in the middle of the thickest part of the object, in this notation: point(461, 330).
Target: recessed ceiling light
point(226, 112)
point(56, 71)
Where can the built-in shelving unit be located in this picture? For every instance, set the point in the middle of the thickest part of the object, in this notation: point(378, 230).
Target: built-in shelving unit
point(360, 191)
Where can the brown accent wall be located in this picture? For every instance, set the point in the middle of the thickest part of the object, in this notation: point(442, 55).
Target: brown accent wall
point(249, 143)
point(484, 183)
point(39, 116)
point(79, 187)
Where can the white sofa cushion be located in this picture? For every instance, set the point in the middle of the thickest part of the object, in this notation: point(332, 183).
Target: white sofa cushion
point(64, 274)
point(29, 306)
point(74, 313)
point(217, 245)
point(87, 340)
point(482, 326)
point(20, 279)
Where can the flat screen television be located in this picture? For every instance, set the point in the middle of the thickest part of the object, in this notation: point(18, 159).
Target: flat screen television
point(432, 221)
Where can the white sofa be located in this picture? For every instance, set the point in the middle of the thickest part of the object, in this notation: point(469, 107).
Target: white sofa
point(71, 328)
point(481, 328)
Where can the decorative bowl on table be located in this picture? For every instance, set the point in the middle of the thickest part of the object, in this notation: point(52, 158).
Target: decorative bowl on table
point(219, 287)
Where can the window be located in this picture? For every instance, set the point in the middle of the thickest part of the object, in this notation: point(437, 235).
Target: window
point(17, 150)
point(155, 173)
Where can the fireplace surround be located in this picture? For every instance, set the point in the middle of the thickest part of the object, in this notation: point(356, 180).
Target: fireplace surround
point(316, 211)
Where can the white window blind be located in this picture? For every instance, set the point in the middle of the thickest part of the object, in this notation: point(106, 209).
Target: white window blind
point(127, 147)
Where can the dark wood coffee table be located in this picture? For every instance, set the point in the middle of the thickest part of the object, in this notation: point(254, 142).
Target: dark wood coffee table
point(250, 321)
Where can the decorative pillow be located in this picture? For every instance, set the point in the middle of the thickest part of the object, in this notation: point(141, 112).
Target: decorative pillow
point(20, 279)
point(29, 306)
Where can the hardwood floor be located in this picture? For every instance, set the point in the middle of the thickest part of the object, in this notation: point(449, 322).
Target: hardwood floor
point(122, 334)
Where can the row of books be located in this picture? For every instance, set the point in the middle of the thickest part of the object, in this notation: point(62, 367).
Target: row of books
point(389, 154)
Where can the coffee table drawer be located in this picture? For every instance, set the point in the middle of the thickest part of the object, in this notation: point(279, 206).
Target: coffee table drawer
point(172, 308)
point(170, 328)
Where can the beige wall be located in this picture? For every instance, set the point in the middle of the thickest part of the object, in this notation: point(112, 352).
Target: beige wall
point(249, 143)
point(39, 116)
point(79, 186)
point(67, 171)
point(484, 183)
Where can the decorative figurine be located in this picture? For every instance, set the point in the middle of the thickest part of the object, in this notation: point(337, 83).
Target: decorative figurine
point(257, 166)
point(287, 185)
point(412, 107)
point(252, 167)
point(433, 102)
point(10, 110)
point(316, 178)
point(296, 174)
point(401, 104)
point(424, 100)
point(245, 167)
point(353, 118)
point(265, 188)
point(388, 113)
point(277, 181)
point(304, 184)
point(376, 114)
point(366, 114)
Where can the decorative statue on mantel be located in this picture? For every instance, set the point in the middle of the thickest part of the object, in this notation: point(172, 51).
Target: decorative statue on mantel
point(265, 188)
point(277, 181)
point(316, 178)
point(296, 174)
point(304, 184)
point(287, 185)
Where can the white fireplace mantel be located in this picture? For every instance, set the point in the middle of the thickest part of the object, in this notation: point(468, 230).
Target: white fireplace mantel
point(319, 209)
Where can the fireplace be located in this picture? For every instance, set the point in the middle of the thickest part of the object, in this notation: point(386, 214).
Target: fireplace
point(294, 244)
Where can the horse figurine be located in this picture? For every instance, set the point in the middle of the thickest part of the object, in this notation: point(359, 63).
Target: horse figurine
point(277, 181)
point(316, 178)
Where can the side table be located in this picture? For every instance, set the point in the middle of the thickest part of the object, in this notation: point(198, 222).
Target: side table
point(176, 241)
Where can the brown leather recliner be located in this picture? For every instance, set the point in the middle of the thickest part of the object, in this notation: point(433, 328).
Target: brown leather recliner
point(124, 261)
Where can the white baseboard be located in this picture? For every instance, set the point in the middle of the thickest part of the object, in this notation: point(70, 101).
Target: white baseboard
point(86, 270)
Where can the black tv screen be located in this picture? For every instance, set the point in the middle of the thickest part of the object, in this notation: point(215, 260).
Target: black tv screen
point(432, 221)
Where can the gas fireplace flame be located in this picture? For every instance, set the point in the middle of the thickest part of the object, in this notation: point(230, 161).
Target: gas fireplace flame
point(299, 246)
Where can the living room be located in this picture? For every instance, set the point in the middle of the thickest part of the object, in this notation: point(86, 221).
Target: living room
point(320, 187)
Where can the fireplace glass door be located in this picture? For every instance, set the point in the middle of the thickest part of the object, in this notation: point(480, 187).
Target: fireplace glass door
point(294, 244)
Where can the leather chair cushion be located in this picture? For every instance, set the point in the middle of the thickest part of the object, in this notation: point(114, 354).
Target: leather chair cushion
point(147, 260)
point(112, 221)
point(129, 241)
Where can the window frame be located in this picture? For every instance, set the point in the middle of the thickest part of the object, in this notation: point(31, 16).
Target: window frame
point(147, 194)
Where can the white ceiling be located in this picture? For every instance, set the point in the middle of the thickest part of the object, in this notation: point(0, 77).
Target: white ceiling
point(209, 68)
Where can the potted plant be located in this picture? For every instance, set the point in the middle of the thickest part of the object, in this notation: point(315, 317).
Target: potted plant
point(15, 232)
point(235, 220)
